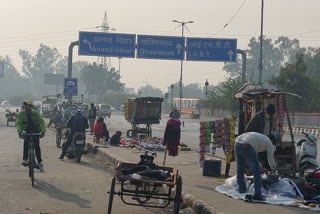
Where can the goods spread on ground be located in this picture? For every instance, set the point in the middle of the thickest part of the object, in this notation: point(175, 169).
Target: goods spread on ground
point(151, 144)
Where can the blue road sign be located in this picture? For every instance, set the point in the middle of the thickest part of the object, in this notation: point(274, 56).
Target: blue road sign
point(206, 49)
point(160, 47)
point(70, 86)
point(107, 44)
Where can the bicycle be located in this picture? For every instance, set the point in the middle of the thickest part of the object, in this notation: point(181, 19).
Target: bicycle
point(31, 157)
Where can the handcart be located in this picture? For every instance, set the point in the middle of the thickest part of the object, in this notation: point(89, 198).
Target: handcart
point(144, 191)
point(11, 117)
point(142, 111)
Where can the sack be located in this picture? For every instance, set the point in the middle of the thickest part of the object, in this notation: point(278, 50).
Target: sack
point(282, 188)
point(308, 191)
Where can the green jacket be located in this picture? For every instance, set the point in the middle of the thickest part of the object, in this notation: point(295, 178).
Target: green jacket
point(37, 121)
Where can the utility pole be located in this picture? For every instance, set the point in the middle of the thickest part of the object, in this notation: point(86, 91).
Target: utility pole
point(180, 83)
point(261, 40)
point(119, 65)
point(172, 87)
point(206, 84)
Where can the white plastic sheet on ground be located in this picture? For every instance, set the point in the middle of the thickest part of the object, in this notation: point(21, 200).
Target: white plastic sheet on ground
point(278, 193)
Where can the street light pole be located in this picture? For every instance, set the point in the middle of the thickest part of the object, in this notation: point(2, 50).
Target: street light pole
point(119, 65)
point(261, 40)
point(172, 87)
point(180, 83)
point(206, 84)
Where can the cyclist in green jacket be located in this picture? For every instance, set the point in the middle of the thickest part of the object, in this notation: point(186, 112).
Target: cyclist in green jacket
point(30, 121)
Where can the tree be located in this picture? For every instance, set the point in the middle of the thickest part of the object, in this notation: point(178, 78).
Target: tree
point(44, 61)
point(116, 99)
point(221, 96)
point(192, 90)
point(27, 63)
point(99, 80)
point(295, 79)
point(150, 91)
point(13, 87)
point(275, 55)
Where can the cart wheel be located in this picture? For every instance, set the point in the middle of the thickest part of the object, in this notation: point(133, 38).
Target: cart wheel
point(111, 194)
point(178, 197)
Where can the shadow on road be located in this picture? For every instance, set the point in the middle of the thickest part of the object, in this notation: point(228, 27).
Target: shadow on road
point(96, 166)
point(53, 192)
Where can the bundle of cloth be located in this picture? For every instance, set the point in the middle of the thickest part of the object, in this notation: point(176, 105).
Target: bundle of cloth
point(146, 169)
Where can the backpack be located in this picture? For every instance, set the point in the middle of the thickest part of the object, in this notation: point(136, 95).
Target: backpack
point(78, 123)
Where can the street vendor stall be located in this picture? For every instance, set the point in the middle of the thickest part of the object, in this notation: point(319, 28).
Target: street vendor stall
point(252, 99)
point(142, 111)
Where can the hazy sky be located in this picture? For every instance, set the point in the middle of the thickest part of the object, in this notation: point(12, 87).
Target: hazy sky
point(27, 23)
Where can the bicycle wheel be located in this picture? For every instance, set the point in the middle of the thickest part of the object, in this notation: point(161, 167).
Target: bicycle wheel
point(111, 194)
point(31, 165)
point(178, 197)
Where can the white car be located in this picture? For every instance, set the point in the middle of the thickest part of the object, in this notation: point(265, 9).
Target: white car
point(5, 104)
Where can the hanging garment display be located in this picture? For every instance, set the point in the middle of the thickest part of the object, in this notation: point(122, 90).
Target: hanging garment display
point(223, 136)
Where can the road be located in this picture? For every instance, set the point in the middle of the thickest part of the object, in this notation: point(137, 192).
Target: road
point(66, 187)
point(189, 133)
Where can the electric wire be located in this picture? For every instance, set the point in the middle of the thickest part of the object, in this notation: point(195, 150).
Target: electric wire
point(227, 24)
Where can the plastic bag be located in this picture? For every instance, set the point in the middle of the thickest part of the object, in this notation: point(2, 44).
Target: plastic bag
point(264, 191)
point(231, 183)
point(282, 188)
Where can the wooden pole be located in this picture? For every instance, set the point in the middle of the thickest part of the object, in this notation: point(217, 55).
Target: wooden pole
point(288, 118)
point(165, 156)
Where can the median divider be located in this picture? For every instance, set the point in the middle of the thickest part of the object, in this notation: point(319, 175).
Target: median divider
point(118, 155)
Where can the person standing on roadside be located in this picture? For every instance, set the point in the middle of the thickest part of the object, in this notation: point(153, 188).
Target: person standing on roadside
point(172, 134)
point(92, 117)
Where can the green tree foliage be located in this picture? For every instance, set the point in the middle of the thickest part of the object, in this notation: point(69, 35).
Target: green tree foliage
point(12, 84)
point(312, 59)
point(44, 61)
point(295, 79)
point(116, 99)
point(221, 96)
point(150, 91)
point(99, 80)
point(275, 55)
point(193, 90)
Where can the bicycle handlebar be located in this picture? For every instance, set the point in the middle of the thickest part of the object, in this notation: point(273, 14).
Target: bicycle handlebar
point(31, 134)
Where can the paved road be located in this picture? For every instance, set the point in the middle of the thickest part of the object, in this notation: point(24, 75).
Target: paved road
point(189, 133)
point(66, 187)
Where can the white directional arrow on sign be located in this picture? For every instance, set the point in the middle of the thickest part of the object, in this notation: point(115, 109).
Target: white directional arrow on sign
point(179, 47)
point(85, 41)
point(230, 53)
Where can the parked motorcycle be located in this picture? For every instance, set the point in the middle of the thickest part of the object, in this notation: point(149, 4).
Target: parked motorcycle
point(307, 153)
point(76, 147)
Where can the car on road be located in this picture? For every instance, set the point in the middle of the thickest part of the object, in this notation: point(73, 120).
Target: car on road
point(5, 104)
point(104, 110)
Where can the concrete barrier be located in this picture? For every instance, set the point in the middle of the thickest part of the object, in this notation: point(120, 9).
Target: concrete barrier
point(189, 200)
point(299, 130)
